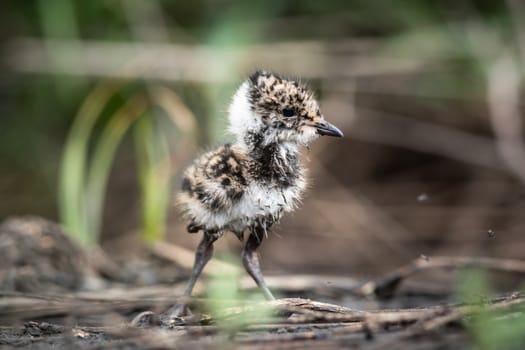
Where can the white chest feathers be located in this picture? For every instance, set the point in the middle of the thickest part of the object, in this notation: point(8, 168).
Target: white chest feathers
point(258, 202)
point(265, 201)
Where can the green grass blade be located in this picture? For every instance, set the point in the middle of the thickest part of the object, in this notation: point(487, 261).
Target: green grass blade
point(154, 175)
point(71, 196)
point(103, 156)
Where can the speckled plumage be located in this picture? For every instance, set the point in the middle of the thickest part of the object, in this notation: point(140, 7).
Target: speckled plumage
point(259, 177)
point(249, 184)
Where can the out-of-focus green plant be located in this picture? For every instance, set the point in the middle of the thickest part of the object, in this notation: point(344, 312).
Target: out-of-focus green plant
point(233, 308)
point(490, 330)
point(76, 213)
point(85, 170)
point(103, 156)
point(154, 176)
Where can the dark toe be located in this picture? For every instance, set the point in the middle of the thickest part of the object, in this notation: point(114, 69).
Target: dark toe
point(178, 311)
point(146, 319)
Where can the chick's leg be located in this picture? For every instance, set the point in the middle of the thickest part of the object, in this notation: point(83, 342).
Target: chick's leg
point(250, 259)
point(202, 256)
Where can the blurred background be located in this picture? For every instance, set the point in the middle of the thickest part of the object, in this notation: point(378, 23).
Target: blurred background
point(103, 104)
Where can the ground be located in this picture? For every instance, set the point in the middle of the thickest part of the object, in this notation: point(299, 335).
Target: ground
point(53, 297)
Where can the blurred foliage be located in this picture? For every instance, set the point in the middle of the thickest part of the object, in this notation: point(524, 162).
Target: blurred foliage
point(41, 119)
point(89, 155)
point(490, 330)
point(229, 304)
point(154, 176)
point(39, 110)
point(83, 179)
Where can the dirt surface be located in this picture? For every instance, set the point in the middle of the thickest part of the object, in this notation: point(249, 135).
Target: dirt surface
point(48, 300)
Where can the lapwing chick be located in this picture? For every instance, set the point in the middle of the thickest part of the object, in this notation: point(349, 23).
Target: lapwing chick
point(245, 187)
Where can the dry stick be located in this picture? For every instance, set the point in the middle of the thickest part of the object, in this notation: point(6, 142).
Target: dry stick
point(110, 294)
point(386, 286)
point(498, 304)
point(23, 306)
point(15, 308)
point(452, 314)
point(74, 309)
point(423, 321)
point(306, 311)
point(382, 317)
point(311, 305)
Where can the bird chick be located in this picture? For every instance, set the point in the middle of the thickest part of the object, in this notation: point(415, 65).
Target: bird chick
point(248, 185)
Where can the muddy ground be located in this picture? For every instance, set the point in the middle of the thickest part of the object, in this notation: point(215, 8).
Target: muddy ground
point(55, 295)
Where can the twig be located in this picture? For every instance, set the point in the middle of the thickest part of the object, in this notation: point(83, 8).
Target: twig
point(387, 285)
point(328, 323)
point(458, 313)
point(20, 306)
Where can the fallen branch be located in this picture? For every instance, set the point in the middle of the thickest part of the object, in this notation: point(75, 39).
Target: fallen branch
point(386, 286)
point(300, 321)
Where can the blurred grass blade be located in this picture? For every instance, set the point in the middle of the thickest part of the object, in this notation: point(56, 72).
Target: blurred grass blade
point(154, 176)
point(103, 156)
point(226, 296)
point(154, 161)
point(488, 329)
point(74, 161)
point(82, 196)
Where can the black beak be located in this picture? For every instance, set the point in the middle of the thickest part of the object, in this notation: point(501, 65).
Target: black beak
point(325, 128)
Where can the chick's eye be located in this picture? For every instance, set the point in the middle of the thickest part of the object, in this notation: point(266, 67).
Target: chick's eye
point(288, 112)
